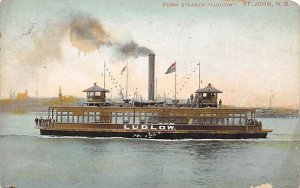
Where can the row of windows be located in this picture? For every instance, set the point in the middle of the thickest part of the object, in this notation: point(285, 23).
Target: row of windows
point(146, 118)
point(149, 114)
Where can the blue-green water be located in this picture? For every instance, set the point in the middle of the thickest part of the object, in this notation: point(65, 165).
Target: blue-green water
point(30, 160)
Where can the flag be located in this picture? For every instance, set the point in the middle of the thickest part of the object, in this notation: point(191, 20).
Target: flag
point(172, 68)
point(123, 70)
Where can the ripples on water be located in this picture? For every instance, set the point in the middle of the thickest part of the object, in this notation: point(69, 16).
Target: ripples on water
point(31, 160)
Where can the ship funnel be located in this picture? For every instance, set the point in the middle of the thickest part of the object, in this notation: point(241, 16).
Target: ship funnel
point(151, 77)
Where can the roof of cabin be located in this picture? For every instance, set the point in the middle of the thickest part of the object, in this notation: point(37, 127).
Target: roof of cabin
point(208, 89)
point(95, 88)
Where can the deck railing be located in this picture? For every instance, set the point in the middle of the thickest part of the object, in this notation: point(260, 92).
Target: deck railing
point(44, 122)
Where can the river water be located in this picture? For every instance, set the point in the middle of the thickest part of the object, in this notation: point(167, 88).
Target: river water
point(30, 160)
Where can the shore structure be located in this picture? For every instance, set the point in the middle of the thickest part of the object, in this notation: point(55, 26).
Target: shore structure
point(200, 118)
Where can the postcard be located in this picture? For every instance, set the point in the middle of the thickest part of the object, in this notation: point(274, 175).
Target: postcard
point(192, 93)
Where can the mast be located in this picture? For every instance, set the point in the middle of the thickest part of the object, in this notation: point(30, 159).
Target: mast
point(111, 90)
point(199, 76)
point(126, 80)
point(271, 98)
point(104, 75)
point(175, 83)
point(156, 89)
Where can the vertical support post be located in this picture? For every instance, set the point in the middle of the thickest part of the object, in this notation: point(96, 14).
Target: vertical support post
point(140, 117)
point(133, 115)
point(82, 117)
point(61, 114)
point(99, 117)
point(88, 117)
point(152, 115)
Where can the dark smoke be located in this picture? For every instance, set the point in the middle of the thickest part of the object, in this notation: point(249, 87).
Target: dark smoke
point(86, 33)
point(132, 49)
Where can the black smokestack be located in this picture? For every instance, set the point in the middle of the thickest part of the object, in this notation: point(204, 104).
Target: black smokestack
point(151, 76)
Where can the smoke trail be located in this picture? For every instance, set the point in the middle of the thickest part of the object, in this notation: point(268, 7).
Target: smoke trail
point(86, 33)
point(132, 49)
point(46, 46)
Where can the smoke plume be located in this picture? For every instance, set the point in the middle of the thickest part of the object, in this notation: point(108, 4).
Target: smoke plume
point(86, 33)
point(132, 49)
point(46, 46)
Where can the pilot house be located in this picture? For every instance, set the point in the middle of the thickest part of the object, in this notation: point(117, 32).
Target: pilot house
point(95, 95)
point(208, 96)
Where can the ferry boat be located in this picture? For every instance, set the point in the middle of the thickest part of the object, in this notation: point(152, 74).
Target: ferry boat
point(201, 118)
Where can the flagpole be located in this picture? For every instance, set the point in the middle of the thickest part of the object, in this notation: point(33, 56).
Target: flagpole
point(126, 80)
point(104, 75)
point(175, 83)
point(199, 76)
point(156, 90)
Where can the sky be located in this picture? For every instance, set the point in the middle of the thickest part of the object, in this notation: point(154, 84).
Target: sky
point(249, 52)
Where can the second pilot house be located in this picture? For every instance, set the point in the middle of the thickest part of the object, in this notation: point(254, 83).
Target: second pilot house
point(208, 96)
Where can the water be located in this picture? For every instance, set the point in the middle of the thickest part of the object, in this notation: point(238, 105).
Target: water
point(30, 160)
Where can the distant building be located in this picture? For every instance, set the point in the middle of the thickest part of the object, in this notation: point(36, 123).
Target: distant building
point(12, 96)
point(60, 93)
point(22, 96)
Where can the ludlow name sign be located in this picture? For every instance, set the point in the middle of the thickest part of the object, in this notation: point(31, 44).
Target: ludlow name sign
point(149, 127)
